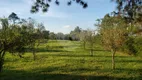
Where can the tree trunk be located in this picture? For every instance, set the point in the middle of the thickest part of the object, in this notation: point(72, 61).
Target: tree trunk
point(84, 44)
point(1, 64)
point(91, 52)
point(113, 61)
point(34, 55)
point(2, 53)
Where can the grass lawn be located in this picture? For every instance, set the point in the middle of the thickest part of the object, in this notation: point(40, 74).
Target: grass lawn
point(66, 60)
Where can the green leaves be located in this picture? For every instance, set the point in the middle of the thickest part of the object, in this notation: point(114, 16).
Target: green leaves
point(44, 5)
point(13, 17)
point(18, 36)
point(130, 9)
point(112, 30)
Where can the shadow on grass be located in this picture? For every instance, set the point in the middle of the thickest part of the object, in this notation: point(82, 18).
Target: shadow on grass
point(48, 75)
point(124, 59)
point(102, 50)
point(73, 55)
point(120, 61)
point(47, 50)
point(63, 46)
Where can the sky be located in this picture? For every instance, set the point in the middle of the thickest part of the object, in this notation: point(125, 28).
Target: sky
point(60, 18)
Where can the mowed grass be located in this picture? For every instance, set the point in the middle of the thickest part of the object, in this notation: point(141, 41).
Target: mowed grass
point(67, 60)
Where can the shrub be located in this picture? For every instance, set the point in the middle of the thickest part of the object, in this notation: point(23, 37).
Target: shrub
point(138, 45)
point(132, 46)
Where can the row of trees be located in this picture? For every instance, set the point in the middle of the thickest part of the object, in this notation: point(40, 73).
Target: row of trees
point(115, 30)
point(119, 31)
point(73, 35)
point(122, 30)
point(19, 35)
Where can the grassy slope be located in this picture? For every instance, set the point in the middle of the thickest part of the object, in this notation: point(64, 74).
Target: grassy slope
point(65, 60)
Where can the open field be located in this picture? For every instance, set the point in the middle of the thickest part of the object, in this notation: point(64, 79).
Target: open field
point(66, 60)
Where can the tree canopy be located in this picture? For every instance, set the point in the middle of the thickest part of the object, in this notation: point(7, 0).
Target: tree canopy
point(130, 9)
point(16, 38)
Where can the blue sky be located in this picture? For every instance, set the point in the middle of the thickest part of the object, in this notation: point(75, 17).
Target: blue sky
point(60, 18)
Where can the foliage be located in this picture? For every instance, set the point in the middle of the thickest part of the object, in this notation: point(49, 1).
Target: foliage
point(45, 34)
point(75, 33)
point(131, 9)
point(60, 36)
point(13, 17)
point(138, 45)
point(113, 30)
point(45, 4)
point(129, 47)
point(83, 37)
point(52, 35)
point(133, 46)
point(16, 38)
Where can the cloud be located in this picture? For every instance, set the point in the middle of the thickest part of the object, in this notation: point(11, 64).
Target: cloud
point(22, 8)
point(54, 14)
point(67, 26)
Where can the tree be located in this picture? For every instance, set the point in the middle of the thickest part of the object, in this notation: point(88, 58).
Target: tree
point(45, 4)
point(113, 30)
point(52, 36)
point(75, 33)
point(77, 29)
point(13, 17)
point(83, 37)
point(9, 38)
point(90, 38)
point(3, 39)
point(35, 35)
point(131, 10)
point(18, 37)
point(45, 34)
point(67, 36)
point(60, 36)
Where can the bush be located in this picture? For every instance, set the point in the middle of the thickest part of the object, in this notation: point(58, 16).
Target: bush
point(132, 46)
point(138, 45)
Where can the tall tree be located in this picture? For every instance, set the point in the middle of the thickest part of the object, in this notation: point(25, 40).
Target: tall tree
point(113, 30)
point(16, 38)
point(75, 33)
point(52, 36)
point(45, 34)
point(13, 17)
point(83, 37)
point(60, 36)
point(131, 10)
point(9, 38)
point(90, 40)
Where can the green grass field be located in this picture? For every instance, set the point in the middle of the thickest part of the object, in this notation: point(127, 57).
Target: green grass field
point(66, 60)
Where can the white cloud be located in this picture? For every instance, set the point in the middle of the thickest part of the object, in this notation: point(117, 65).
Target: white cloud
point(24, 10)
point(67, 26)
point(54, 14)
